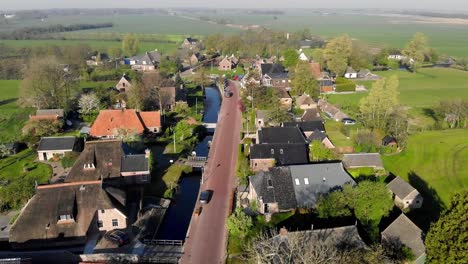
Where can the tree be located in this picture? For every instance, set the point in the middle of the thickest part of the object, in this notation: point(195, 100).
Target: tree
point(47, 85)
point(447, 238)
point(42, 128)
point(168, 67)
point(303, 81)
point(366, 141)
point(115, 52)
point(130, 45)
point(360, 57)
point(239, 224)
point(88, 104)
point(453, 112)
point(334, 204)
point(337, 53)
point(416, 51)
point(201, 78)
point(291, 58)
point(375, 109)
point(319, 56)
point(318, 152)
point(398, 124)
point(278, 115)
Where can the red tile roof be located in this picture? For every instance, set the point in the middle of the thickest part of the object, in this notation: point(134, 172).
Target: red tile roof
point(151, 119)
point(315, 70)
point(109, 120)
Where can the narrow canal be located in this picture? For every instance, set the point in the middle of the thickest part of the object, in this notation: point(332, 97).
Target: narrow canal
point(178, 216)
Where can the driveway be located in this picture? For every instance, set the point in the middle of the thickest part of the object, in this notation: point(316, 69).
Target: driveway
point(207, 237)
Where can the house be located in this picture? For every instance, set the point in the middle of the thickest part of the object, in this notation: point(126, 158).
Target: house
point(396, 56)
point(311, 181)
point(367, 74)
point(307, 128)
point(265, 156)
point(97, 59)
point(406, 196)
point(326, 86)
point(146, 62)
point(361, 160)
point(234, 59)
point(261, 118)
point(189, 43)
point(272, 190)
point(404, 231)
point(48, 114)
point(225, 64)
point(303, 57)
point(195, 59)
point(66, 215)
point(316, 70)
point(56, 146)
point(389, 141)
point(320, 136)
point(278, 135)
point(306, 44)
point(124, 85)
point(274, 75)
point(331, 111)
point(305, 102)
point(106, 160)
point(311, 115)
point(284, 97)
point(350, 73)
point(282, 189)
point(114, 123)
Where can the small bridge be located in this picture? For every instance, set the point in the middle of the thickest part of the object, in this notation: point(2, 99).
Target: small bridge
point(210, 125)
point(196, 162)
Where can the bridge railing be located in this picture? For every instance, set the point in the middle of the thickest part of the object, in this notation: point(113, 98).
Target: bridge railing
point(163, 242)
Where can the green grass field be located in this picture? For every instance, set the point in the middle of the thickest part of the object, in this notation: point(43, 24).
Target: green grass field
point(437, 158)
point(12, 118)
point(421, 90)
point(102, 45)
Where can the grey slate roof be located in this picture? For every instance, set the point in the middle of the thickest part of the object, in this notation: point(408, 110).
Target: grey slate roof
point(56, 143)
point(262, 114)
point(326, 82)
point(350, 69)
point(134, 163)
point(46, 112)
point(280, 191)
point(317, 135)
point(400, 187)
point(280, 75)
point(317, 179)
point(306, 126)
point(356, 160)
point(280, 135)
point(284, 154)
point(271, 68)
point(408, 233)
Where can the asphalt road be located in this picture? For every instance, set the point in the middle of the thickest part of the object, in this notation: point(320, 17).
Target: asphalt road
point(207, 237)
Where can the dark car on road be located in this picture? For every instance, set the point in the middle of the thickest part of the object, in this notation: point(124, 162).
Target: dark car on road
point(205, 196)
point(117, 237)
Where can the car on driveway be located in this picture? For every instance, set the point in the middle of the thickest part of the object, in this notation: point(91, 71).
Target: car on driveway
point(348, 121)
point(205, 196)
point(118, 237)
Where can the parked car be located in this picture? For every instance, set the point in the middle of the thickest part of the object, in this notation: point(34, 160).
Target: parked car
point(117, 237)
point(205, 196)
point(348, 121)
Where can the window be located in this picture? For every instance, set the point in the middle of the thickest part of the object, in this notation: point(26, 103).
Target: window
point(297, 181)
point(283, 81)
point(123, 84)
point(144, 178)
point(103, 211)
point(417, 201)
point(270, 183)
point(281, 151)
point(272, 151)
point(115, 222)
point(255, 164)
point(100, 224)
point(306, 181)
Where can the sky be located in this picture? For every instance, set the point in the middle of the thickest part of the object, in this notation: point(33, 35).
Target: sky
point(455, 5)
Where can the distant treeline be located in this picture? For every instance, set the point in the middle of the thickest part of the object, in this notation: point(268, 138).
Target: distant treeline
point(267, 12)
point(438, 15)
point(43, 32)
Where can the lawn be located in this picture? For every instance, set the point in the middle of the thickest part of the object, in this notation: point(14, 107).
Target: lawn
point(12, 117)
point(421, 90)
point(437, 158)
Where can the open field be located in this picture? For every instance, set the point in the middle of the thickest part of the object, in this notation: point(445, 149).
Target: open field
point(438, 158)
point(377, 30)
point(418, 91)
point(12, 118)
point(102, 45)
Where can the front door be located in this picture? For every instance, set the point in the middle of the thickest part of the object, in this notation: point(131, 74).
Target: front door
point(44, 155)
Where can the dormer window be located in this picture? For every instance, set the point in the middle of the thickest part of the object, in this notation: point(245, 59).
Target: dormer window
point(272, 151)
point(270, 183)
point(281, 151)
point(89, 166)
point(65, 218)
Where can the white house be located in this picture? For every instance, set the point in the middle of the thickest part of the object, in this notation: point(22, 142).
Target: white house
point(350, 73)
point(303, 57)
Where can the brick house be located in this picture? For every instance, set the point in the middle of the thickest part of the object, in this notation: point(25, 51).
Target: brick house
point(124, 85)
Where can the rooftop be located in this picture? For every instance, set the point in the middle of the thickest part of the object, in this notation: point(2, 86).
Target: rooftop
point(284, 154)
point(280, 135)
point(356, 160)
point(309, 126)
point(404, 230)
point(400, 187)
point(56, 143)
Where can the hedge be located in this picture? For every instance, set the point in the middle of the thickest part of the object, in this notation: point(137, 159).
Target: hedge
point(344, 85)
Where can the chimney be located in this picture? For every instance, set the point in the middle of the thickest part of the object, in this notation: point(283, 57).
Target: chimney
point(147, 153)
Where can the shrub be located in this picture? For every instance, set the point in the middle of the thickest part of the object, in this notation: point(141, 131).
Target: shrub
point(69, 159)
point(344, 85)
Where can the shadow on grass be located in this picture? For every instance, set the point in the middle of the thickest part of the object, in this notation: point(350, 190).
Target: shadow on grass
point(429, 112)
point(432, 204)
point(8, 101)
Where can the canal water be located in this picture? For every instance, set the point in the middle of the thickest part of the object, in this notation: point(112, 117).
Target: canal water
point(177, 219)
